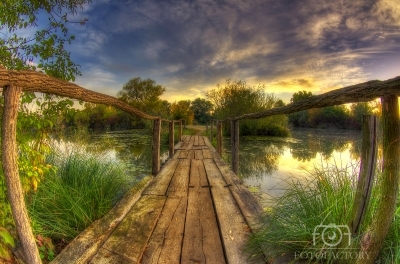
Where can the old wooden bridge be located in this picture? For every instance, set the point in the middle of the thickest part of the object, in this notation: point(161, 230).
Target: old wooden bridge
point(194, 211)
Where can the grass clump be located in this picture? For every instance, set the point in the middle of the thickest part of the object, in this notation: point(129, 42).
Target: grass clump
point(83, 189)
point(295, 225)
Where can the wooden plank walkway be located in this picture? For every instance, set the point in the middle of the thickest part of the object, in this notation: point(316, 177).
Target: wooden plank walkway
point(194, 211)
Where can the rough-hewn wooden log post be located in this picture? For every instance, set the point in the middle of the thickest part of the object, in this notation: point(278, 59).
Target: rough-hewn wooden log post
point(180, 131)
point(235, 145)
point(10, 168)
point(219, 138)
point(373, 239)
point(156, 146)
point(367, 172)
point(171, 139)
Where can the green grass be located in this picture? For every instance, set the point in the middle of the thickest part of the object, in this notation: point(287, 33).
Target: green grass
point(324, 197)
point(84, 188)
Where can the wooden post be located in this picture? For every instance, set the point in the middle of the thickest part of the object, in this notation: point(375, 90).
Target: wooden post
point(367, 172)
point(372, 240)
point(219, 138)
point(10, 168)
point(180, 131)
point(211, 129)
point(156, 146)
point(171, 139)
point(235, 145)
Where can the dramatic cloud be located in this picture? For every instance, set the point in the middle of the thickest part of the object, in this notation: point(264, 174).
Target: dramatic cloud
point(190, 47)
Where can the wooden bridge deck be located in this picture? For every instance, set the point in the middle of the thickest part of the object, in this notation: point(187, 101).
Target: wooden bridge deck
point(194, 211)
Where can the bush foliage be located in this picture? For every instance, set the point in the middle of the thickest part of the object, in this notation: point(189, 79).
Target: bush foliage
point(237, 98)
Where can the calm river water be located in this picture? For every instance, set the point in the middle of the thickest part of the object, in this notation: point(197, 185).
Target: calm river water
point(265, 162)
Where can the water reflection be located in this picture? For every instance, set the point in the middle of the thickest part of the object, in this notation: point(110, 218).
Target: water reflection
point(131, 147)
point(269, 162)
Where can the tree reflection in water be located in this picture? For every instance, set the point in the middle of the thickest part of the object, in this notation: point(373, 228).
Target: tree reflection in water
point(132, 147)
point(261, 156)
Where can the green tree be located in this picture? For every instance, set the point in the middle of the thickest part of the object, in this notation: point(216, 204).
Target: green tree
point(237, 98)
point(337, 116)
point(357, 110)
point(46, 45)
point(300, 119)
point(202, 110)
point(143, 94)
point(182, 110)
point(43, 50)
point(299, 96)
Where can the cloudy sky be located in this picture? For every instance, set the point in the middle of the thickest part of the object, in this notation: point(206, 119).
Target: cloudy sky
point(191, 46)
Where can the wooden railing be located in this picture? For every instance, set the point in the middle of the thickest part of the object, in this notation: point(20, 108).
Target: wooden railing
point(13, 84)
point(362, 92)
point(388, 91)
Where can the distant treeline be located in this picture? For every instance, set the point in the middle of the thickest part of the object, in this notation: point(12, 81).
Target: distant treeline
point(232, 99)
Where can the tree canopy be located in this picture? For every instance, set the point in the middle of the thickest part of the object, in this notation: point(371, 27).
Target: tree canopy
point(202, 110)
point(182, 110)
point(144, 95)
point(238, 98)
point(46, 22)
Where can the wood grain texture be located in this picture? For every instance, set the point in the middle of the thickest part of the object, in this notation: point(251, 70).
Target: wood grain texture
point(85, 246)
point(250, 207)
point(130, 238)
point(233, 227)
point(166, 241)
point(9, 157)
point(180, 180)
point(161, 182)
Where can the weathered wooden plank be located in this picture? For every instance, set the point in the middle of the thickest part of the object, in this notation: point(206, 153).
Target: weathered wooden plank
point(198, 154)
point(184, 145)
point(166, 241)
point(234, 229)
point(85, 246)
point(198, 175)
point(191, 154)
point(178, 145)
point(105, 256)
point(161, 182)
point(183, 154)
point(180, 180)
point(250, 207)
point(207, 154)
point(201, 242)
point(201, 141)
point(130, 238)
point(177, 154)
point(190, 145)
